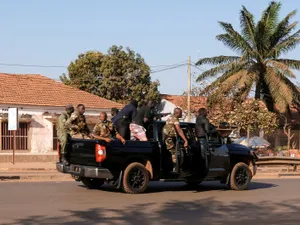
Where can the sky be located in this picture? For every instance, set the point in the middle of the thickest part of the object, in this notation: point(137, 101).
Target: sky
point(54, 33)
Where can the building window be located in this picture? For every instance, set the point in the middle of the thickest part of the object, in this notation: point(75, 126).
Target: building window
point(55, 138)
point(7, 141)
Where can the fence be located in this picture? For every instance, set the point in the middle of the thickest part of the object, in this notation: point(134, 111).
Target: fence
point(55, 138)
point(7, 142)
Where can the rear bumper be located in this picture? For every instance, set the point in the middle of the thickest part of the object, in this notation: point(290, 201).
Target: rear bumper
point(84, 171)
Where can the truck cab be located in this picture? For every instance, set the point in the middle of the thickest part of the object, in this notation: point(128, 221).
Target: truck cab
point(131, 166)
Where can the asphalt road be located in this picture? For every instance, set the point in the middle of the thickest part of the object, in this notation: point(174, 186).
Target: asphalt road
point(66, 203)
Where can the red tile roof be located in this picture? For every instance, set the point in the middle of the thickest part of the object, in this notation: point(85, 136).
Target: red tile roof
point(197, 102)
point(37, 90)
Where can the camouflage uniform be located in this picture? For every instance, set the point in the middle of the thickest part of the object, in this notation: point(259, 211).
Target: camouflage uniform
point(169, 132)
point(104, 129)
point(77, 126)
point(63, 132)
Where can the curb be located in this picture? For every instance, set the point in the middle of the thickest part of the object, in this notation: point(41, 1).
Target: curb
point(27, 169)
point(35, 178)
point(276, 175)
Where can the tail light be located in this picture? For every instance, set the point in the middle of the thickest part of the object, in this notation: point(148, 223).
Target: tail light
point(100, 153)
point(58, 150)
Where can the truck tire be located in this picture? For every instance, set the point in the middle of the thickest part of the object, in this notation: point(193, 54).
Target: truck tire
point(92, 183)
point(135, 178)
point(240, 177)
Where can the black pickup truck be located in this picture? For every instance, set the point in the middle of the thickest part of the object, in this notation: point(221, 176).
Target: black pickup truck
point(133, 165)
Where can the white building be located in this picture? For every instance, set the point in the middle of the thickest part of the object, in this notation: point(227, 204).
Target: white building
point(170, 102)
point(40, 100)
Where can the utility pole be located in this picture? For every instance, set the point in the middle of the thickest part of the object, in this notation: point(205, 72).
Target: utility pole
point(189, 90)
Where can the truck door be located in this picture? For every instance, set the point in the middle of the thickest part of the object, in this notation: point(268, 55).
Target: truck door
point(186, 158)
point(218, 156)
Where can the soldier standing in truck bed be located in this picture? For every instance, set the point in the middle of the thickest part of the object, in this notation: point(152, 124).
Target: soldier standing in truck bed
point(170, 132)
point(77, 124)
point(63, 132)
point(122, 120)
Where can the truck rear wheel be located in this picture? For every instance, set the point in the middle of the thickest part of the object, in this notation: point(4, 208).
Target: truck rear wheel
point(240, 177)
point(92, 182)
point(135, 179)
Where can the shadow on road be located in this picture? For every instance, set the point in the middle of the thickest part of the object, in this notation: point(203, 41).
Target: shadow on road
point(155, 187)
point(206, 211)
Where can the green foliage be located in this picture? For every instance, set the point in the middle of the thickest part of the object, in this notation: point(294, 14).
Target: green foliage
point(281, 148)
point(258, 64)
point(119, 75)
point(85, 72)
point(254, 116)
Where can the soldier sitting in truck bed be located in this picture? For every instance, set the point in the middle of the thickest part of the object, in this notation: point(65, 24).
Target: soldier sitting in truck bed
point(104, 130)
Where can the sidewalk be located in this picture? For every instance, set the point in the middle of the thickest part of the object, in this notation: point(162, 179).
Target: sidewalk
point(31, 171)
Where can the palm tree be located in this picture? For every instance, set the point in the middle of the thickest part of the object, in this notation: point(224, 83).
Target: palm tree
point(258, 64)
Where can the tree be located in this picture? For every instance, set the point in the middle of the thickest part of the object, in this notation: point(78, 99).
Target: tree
point(119, 75)
point(253, 116)
point(85, 72)
point(258, 64)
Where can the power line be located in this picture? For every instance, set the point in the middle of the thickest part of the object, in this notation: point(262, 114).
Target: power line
point(175, 64)
point(29, 65)
point(169, 68)
point(198, 67)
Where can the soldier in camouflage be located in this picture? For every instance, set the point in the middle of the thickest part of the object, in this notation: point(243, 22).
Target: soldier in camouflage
point(104, 130)
point(170, 131)
point(77, 124)
point(63, 132)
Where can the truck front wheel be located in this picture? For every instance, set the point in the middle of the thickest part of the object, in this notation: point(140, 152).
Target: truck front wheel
point(135, 179)
point(240, 177)
point(92, 182)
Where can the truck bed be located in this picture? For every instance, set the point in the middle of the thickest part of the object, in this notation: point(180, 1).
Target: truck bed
point(83, 152)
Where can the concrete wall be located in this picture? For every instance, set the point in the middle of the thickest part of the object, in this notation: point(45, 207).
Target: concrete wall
point(40, 136)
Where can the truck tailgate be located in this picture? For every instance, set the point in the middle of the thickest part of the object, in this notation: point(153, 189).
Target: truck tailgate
point(82, 152)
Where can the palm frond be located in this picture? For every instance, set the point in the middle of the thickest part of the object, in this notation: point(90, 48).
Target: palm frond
point(281, 93)
point(292, 63)
point(228, 68)
point(247, 25)
point(244, 86)
point(283, 68)
point(233, 39)
point(285, 45)
point(283, 29)
point(293, 87)
point(215, 84)
point(266, 26)
point(229, 88)
point(270, 15)
point(250, 76)
point(222, 59)
point(247, 80)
